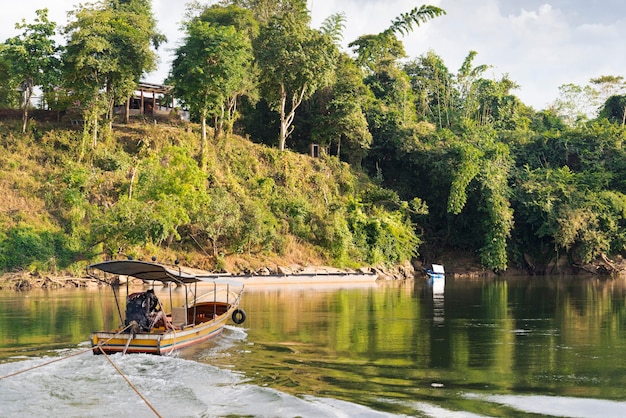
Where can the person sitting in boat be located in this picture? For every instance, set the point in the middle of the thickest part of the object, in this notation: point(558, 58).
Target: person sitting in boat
point(157, 316)
point(145, 310)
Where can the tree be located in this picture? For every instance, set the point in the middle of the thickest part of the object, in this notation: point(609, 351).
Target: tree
point(608, 85)
point(436, 99)
point(578, 104)
point(477, 157)
point(294, 61)
point(495, 105)
point(264, 10)
point(445, 99)
point(375, 51)
point(342, 114)
point(89, 57)
point(108, 50)
point(333, 27)
point(568, 192)
point(218, 219)
point(170, 189)
point(32, 58)
point(610, 95)
point(466, 82)
point(210, 68)
point(8, 94)
point(560, 209)
point(371, 50)
point(244, 79)
point(403, 24)
point(339, 109)
point(134, 34)
point(614, 109)
point(391, 116)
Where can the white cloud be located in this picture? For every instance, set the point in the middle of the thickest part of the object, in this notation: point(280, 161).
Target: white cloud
point(540, 47)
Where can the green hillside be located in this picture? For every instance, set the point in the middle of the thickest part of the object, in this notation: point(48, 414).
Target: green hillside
point(141, 193)
point(409, 144)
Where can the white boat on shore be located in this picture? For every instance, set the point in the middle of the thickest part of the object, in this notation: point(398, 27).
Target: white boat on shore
point(437, 272)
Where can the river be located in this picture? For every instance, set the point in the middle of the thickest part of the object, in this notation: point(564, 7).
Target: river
point(527, 346)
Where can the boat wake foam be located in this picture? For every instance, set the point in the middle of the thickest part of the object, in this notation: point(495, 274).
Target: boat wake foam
point(87, 385)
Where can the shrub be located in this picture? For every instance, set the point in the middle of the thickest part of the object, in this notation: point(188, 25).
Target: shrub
point(25, 247)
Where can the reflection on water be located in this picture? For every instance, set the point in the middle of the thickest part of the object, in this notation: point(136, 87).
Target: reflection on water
point(418, 342)
point(438, 286)
point(549, 346)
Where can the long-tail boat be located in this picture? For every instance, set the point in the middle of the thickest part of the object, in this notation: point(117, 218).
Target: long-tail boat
point(145, 327)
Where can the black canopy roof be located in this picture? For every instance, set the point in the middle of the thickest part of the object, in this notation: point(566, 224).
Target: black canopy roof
point(144, 270)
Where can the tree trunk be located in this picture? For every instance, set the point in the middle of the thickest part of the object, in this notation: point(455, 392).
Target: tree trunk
point(215, 127)
point(203, 139)
point(133, 173)
point(170, 239)
point(110, 114)
point(214, 245)
point(24, 119)
point(338, 148)
point(28, 93)
point(283, 121)
point(231, 114)
point(94, 138)
point(286, 119)
point(127, 111)
point(283, 134)
point(218, 124)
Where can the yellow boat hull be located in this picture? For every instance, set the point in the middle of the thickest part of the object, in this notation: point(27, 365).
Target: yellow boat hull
point(158, 341)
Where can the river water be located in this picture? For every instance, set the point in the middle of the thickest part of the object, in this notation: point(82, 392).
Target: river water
point(528, 346)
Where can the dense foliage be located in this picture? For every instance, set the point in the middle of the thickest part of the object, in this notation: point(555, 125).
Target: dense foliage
point(142, 193)
point(455, 156)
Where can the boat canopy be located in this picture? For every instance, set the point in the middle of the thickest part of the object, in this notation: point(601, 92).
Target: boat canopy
point(438, 268)
point(145, 271)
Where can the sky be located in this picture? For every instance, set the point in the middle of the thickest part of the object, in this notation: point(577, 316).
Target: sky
point(539, 44)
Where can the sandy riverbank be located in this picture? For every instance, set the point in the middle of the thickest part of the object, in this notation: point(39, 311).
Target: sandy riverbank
point(329, 278)
point(308, 276)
